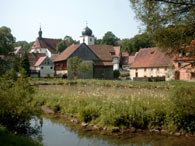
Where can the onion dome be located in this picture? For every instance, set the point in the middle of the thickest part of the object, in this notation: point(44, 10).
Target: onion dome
point(87, 31)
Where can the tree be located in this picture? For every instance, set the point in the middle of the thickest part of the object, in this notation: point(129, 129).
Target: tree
point(25, 64)
point(61, 46)
point(70, 40)
point(171, 22)
point(24, 44)
point(139, 41)
point(16, 109)
point(109, 39)
point(74, 64)
point(6, 47)
point(6, 41)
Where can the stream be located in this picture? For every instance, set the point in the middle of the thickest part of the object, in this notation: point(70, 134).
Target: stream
point(58, 133)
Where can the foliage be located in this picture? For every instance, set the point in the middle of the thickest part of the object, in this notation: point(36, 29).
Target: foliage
point(116, 74)
point(139, 41)
point(15, 107)
point(9, 139)
point(144, 105)
point(171, 23)
point(6, 40)
point(183, 105)
point(25, 64)
point(27, 46)
point(109, 39)
point(70, 40)
point(74, 64)
point(61, 46)
point(6, 47)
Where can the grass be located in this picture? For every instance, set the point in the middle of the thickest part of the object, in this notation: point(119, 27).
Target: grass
point(9, 139)
point(116, 104)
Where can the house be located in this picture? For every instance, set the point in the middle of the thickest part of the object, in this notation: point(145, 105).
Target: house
point(45, 45)
point(19, 51)
point(151, 63)
point(99, 55)
point(125, 61)
point(185, 64)
point(117, 58)
point(104, 58)
point(41, 65)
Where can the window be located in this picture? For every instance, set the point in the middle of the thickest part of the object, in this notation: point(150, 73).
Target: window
point(165, 69)
point(51, 67)
point(144, 69)
point(158, 69)
point(42, 67)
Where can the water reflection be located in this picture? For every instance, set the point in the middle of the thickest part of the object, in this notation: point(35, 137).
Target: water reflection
point(57, 134)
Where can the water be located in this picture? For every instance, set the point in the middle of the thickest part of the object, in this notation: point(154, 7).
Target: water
point(58, 134)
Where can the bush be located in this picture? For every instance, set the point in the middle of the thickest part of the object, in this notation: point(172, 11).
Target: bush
point(16, 109)
point(183, 108)
point(116, 74)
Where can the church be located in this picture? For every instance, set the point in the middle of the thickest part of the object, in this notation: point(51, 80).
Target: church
point(45, 45)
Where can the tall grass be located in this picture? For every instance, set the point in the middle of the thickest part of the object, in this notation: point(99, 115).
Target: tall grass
point(117, 106)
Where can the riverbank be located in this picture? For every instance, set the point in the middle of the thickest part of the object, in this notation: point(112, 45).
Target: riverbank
point(120, 106)
point(9, 139)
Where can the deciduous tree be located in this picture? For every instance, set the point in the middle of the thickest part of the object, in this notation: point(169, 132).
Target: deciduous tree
point(171, 22)
point(109, 39)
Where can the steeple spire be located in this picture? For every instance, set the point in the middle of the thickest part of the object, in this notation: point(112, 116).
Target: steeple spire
point(40, 33)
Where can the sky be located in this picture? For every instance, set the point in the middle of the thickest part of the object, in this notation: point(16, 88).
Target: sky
point(59, 18)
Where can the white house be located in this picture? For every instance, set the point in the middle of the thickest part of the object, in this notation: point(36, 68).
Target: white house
point(41, 65)
point(151, 63)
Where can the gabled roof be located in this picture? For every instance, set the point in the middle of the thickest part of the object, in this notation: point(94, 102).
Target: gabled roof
point(40, 60)
point(66, 53)
point(48, 43)
point(132, 58)
point(104, 52)
point(19, 50)
point(117, 50)
point(34, 57)
point(151, 57)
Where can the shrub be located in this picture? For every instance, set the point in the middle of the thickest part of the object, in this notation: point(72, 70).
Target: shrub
point(16, 109)
point(183, 108)
point(116, 74)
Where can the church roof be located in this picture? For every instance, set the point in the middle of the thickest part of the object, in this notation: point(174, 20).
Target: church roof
point(87, 31)
point(48, 43)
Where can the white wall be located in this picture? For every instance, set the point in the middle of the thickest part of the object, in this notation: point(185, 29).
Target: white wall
point(42, 50)
point(89, 40)
point(152, 72)
point(46, 70)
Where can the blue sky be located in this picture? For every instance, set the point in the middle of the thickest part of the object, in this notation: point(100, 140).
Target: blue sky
point(59, 18)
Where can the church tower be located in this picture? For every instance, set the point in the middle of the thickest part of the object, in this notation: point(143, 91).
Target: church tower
point(40, 33)
point(87, 36)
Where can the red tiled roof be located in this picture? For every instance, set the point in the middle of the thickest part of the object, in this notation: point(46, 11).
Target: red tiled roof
point(132, 58)
point(40, 60)
point(66, 53)
point(117, 50)
point(124, 58)
point(104, 52)
point(104, 63)
point(48, 43)
point(151, 57)
point(19, 50)
point(34, 57)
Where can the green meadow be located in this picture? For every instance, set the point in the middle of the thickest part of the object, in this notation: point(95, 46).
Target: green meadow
point(121, 104)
